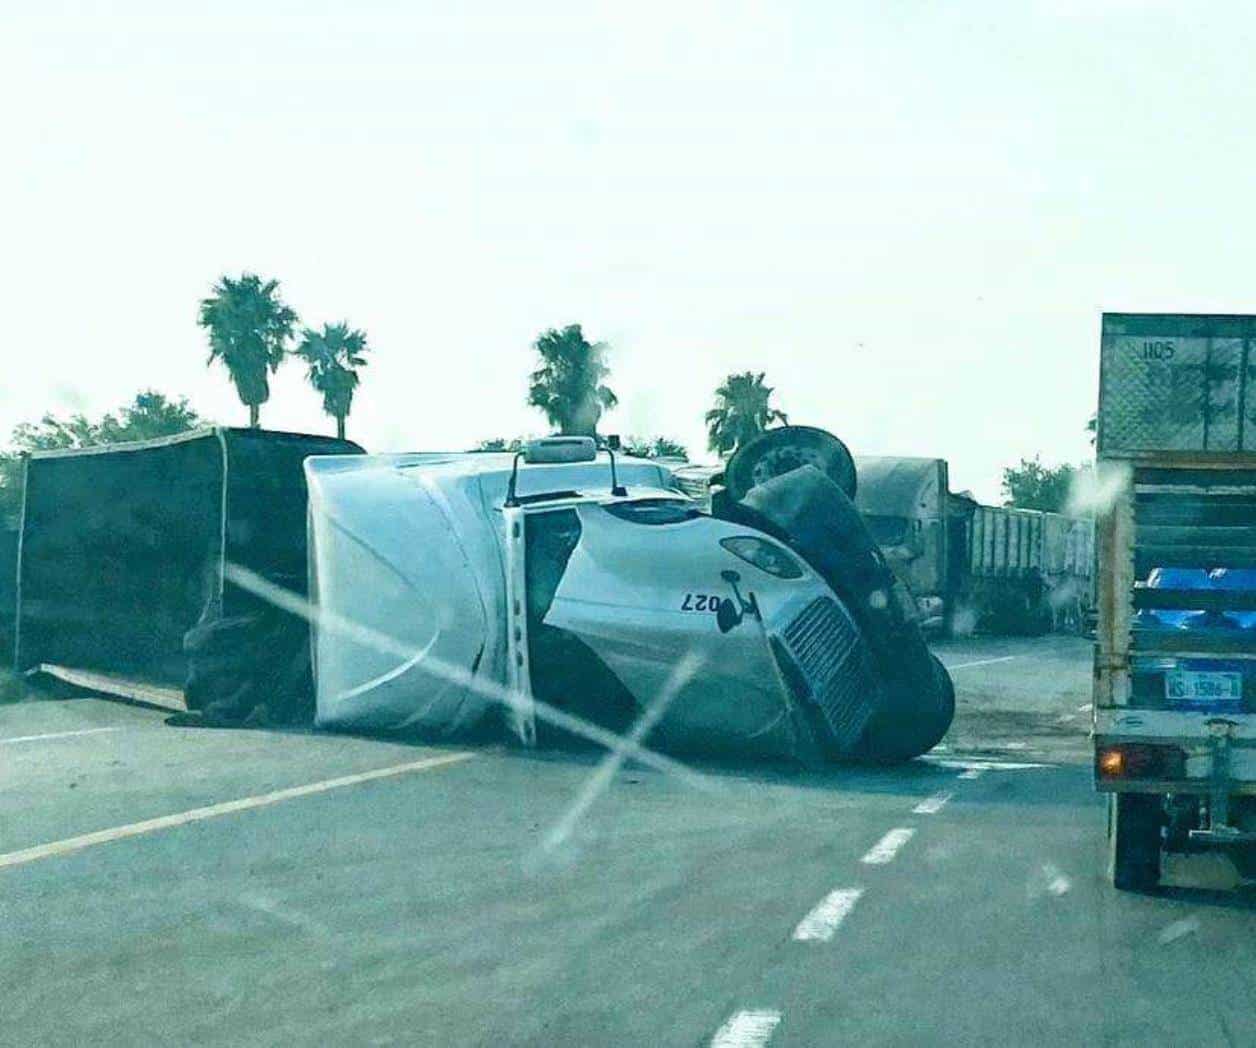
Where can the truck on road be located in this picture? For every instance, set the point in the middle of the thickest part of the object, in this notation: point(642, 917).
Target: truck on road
point(1175, 651)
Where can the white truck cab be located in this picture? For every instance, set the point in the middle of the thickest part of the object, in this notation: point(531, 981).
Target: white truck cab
point(569, 579)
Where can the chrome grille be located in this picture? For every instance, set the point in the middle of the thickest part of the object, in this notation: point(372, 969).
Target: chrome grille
point(833, 657)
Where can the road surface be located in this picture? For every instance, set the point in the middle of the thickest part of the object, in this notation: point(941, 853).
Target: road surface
point(163, 885)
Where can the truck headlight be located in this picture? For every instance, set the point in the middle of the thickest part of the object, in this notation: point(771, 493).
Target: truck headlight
point(765, 556)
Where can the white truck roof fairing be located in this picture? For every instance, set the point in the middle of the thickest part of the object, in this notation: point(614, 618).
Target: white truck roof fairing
point(412, 547)
point(442, 605)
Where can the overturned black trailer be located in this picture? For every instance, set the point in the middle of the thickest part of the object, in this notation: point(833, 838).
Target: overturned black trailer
point(8, 591)
point(122, 550)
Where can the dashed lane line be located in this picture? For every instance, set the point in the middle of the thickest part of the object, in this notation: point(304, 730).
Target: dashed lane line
point(888, 846)
point(933, 805)
point(55, 735)
point(822, 923)
point(165, 822)
point(747, 1029)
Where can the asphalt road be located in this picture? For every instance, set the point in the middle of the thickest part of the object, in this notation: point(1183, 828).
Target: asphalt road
point(170, 886)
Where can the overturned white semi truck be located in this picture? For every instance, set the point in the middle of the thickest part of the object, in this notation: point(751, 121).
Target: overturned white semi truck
point(770, 624)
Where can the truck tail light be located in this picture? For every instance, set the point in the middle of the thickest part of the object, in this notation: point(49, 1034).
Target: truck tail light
point(1138, 760)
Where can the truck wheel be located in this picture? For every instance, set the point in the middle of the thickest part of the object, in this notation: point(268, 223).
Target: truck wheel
point(1136, 819)
point(896, 739)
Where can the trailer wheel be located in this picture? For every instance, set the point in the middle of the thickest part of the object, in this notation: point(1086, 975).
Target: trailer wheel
point(1135, 821)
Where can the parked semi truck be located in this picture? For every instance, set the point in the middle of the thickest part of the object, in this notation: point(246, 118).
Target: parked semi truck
point(968, 566)
point(1175, 650)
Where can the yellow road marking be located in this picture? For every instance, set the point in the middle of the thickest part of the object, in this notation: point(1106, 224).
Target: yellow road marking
point(165, 822)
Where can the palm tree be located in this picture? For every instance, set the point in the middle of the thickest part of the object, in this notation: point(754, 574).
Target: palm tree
point(568, 384)
point(249, 328)
point(741, 412)
point(332, 357)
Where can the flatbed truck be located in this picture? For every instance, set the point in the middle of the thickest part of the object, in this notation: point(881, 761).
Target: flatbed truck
point(1175, 652)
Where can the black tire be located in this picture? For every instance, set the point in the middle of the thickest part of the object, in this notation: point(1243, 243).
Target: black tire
point(946, 686)
point(778, 451)
point(897, 740)
point(1135, 841)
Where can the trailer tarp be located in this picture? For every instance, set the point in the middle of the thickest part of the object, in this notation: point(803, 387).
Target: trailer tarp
point(8, 593)
point(123, 550)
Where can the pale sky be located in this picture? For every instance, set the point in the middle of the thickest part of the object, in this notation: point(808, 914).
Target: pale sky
point(909, 214)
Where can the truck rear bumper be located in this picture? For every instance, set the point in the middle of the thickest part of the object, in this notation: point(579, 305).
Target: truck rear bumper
point(1207, 754)
point(1196, 787)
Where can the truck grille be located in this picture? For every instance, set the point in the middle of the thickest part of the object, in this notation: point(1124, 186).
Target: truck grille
point(833, 657)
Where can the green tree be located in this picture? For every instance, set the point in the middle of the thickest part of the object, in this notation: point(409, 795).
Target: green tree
point(569, 385)
point(332, 357)
point(655, 447)
point(1031, 485)
point(742, 411)
point(249, 328)
point(150, 414)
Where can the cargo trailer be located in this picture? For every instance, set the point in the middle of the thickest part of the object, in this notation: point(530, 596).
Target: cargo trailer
point(120, 566)
point(1175, 651)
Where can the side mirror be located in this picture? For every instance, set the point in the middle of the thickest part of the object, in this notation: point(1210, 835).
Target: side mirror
point(559, 449)
point(727, 617)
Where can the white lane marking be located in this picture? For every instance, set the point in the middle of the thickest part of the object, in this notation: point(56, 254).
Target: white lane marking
point(984, 764)
point(747, 1029)
point(55, 735)
point(1084, 708)
point(982, 662)
point(933, 805)
point(888, 846)
point(165, 822)
point(973, 773)
point(1178, 929)
point(822, 922)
